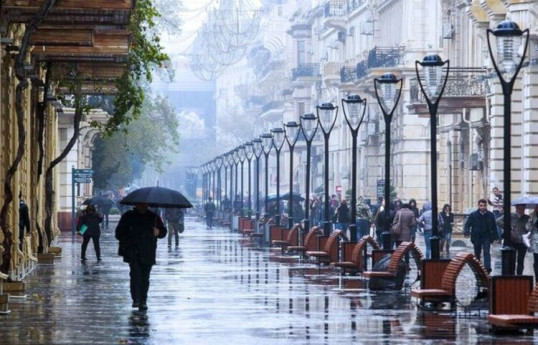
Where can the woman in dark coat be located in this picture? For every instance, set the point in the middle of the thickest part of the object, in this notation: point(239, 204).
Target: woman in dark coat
point(90, 220)
point(448, 222)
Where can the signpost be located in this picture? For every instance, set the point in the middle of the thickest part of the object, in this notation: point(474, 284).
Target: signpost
point(78, 176)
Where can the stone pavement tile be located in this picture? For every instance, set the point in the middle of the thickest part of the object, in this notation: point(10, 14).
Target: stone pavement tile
point(215, 289)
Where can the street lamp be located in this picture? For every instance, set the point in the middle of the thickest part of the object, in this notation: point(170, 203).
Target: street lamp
point(292, 134)
point(236, 188)
point(387, 92)
point(225, 164)
point(258, 149)
point(241, 153)
point(327, 113)
point(354, 110)
point(309, 126)
point(231, 161)
point(218, 166)
point(267, 144)
point(278, 141)
point(249, 151)
point(434, 85)
point(509, 41)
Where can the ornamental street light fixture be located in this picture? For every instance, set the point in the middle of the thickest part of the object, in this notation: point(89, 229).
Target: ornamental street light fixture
point(509, 39)
point(258, 149)
point(267, 144)
point(327, 114)
point(218, 166)
point(225, 165)
point(354, 110)
point(238, 206)
point(242, 155)
point(231, 162)
point(292, 134)
point(309, 126)
point(249, 151)
point(432, 83)
point(278, 142)
point(387, 92)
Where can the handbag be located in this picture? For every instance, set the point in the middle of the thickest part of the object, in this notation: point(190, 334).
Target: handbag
point(396, 228)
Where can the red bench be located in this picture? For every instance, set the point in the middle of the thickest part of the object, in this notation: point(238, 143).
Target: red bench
point(513, 303)
point(446, 292)
point(359, 255)
point(397, 256)
point(310, 241)
point(292, 237)
point(330, 250)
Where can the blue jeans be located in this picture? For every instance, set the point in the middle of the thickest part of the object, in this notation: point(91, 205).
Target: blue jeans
point(427, 236)
point(340, 226)
point(363, 228)
point(447, 238)
point(484, 246)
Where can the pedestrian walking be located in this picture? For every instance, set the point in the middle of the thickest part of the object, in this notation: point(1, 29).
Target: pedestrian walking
point(426, 222)
point(481, 227)
point(382, 223)
point(343, 217)
point(496, 202)
point(137, 233)
point(88, 227)
point(209, 209)
point(175, 218)
point(532, 226)
point(405, 219)
point(518, 223)
point(448, 222)
point(413, 207)
point(24, 221)
point(364, 217)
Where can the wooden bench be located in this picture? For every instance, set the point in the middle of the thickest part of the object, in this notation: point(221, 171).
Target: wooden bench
point(292, 237)
point(246, 226)
point(513, 303)
point(397, 256)
point(330, 250)
point(310, 241)
point(446, 292)
point(358, 261)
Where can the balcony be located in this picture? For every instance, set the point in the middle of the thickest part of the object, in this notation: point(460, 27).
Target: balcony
point(377, 57)
point(305, 70)
point(466, 87)
point(336, 14)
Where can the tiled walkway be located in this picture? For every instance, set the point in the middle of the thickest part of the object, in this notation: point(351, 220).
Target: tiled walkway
point(217, 289)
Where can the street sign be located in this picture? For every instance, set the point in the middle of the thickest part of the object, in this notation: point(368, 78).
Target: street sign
point(82, 179)
point(380, 188)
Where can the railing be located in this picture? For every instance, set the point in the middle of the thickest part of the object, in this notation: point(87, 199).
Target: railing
point(377, 57)
point(335, 8)
point(462, 81)
point(305, 70)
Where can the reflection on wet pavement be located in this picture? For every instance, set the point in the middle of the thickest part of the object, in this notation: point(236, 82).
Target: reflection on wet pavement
point(216, 289)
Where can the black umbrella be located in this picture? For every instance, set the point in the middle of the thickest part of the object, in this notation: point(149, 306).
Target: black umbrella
point(157, 197)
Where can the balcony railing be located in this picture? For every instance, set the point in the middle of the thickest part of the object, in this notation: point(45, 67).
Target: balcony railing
point(377, 57)
point(306, 70)
point(336, 8)
point(462, 81)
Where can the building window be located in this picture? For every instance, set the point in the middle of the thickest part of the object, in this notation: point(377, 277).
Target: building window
point(301, 53)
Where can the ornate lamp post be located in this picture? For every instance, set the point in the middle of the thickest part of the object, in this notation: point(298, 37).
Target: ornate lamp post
point(249, 152)
point(327, 113)
point(231, 162)
point(292, 134)
point(258, 149)
point(387, 92)
point(309, 126)
point(218, 166)
point(242, 155)
point(267, 144)
point(225, 165)
point(354, 110)
point(278, 142)
point(509, 41)
point(434, 85)
point(236, 187)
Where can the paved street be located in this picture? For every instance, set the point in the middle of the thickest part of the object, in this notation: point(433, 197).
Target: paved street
point(218, 289)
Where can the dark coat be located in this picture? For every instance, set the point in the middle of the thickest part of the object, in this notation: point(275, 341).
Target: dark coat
point(91, 219)
point(481, 227)
point(407, 220)
point(342, 214)
point(135, 234)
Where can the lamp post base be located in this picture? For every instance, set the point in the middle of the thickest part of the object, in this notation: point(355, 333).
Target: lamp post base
point(508, 261)
point(434, 246)
point(352, 233)
point(327, 227)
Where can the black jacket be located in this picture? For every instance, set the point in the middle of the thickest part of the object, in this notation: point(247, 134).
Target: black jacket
point(135, 235)
point(91, 219)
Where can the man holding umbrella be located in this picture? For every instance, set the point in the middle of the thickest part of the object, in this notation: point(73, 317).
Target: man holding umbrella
point(137, 232)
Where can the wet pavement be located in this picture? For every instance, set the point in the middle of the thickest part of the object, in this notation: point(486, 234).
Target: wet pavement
point(218, 288)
